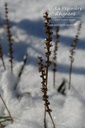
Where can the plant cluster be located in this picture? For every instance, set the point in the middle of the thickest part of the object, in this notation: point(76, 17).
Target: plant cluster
point(43, 66)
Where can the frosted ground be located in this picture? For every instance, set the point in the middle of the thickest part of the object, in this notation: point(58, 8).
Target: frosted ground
point(26, 19)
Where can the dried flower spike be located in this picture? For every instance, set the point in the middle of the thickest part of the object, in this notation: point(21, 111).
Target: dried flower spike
point(9, 35)
point(48, 45)
point(43, 69)
point(44, 90)
point(72, 51)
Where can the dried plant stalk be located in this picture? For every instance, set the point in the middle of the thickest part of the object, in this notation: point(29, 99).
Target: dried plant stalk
point(23, 66)
point(44, 90)
point(72, 51)
point(21, 70)
point(44, 87)
point(43, 69)
point(54, 63)
point(7, 108)
point(1, 56)
point(9, 35)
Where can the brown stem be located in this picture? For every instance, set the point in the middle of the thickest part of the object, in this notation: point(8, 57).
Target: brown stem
point(7, 108)
point(45, 123)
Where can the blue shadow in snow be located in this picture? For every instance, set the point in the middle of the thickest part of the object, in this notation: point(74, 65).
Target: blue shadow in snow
point(63, 68)
point(67, 41)
point(36, 28)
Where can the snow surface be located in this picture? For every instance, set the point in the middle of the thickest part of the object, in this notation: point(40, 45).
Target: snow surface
point(26, 19)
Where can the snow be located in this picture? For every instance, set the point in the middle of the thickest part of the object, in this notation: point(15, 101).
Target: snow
point(25, 102)
point(8, 81)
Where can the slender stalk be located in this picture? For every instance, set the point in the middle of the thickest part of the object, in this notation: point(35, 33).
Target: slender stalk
point(23, 66)
point(9, 35)
point(45, 122)
point(54, 75)
point(72, 51)
point(21, 70)
point(70, 72)
point(54, 63)
point(52, 120)
point(48, 31)
point(7, 108)
point(1, 56)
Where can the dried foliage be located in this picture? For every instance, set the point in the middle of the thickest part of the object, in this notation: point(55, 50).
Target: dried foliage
point(54, 62)
point(72, 51)
point(9, 35)
point(43, 68)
